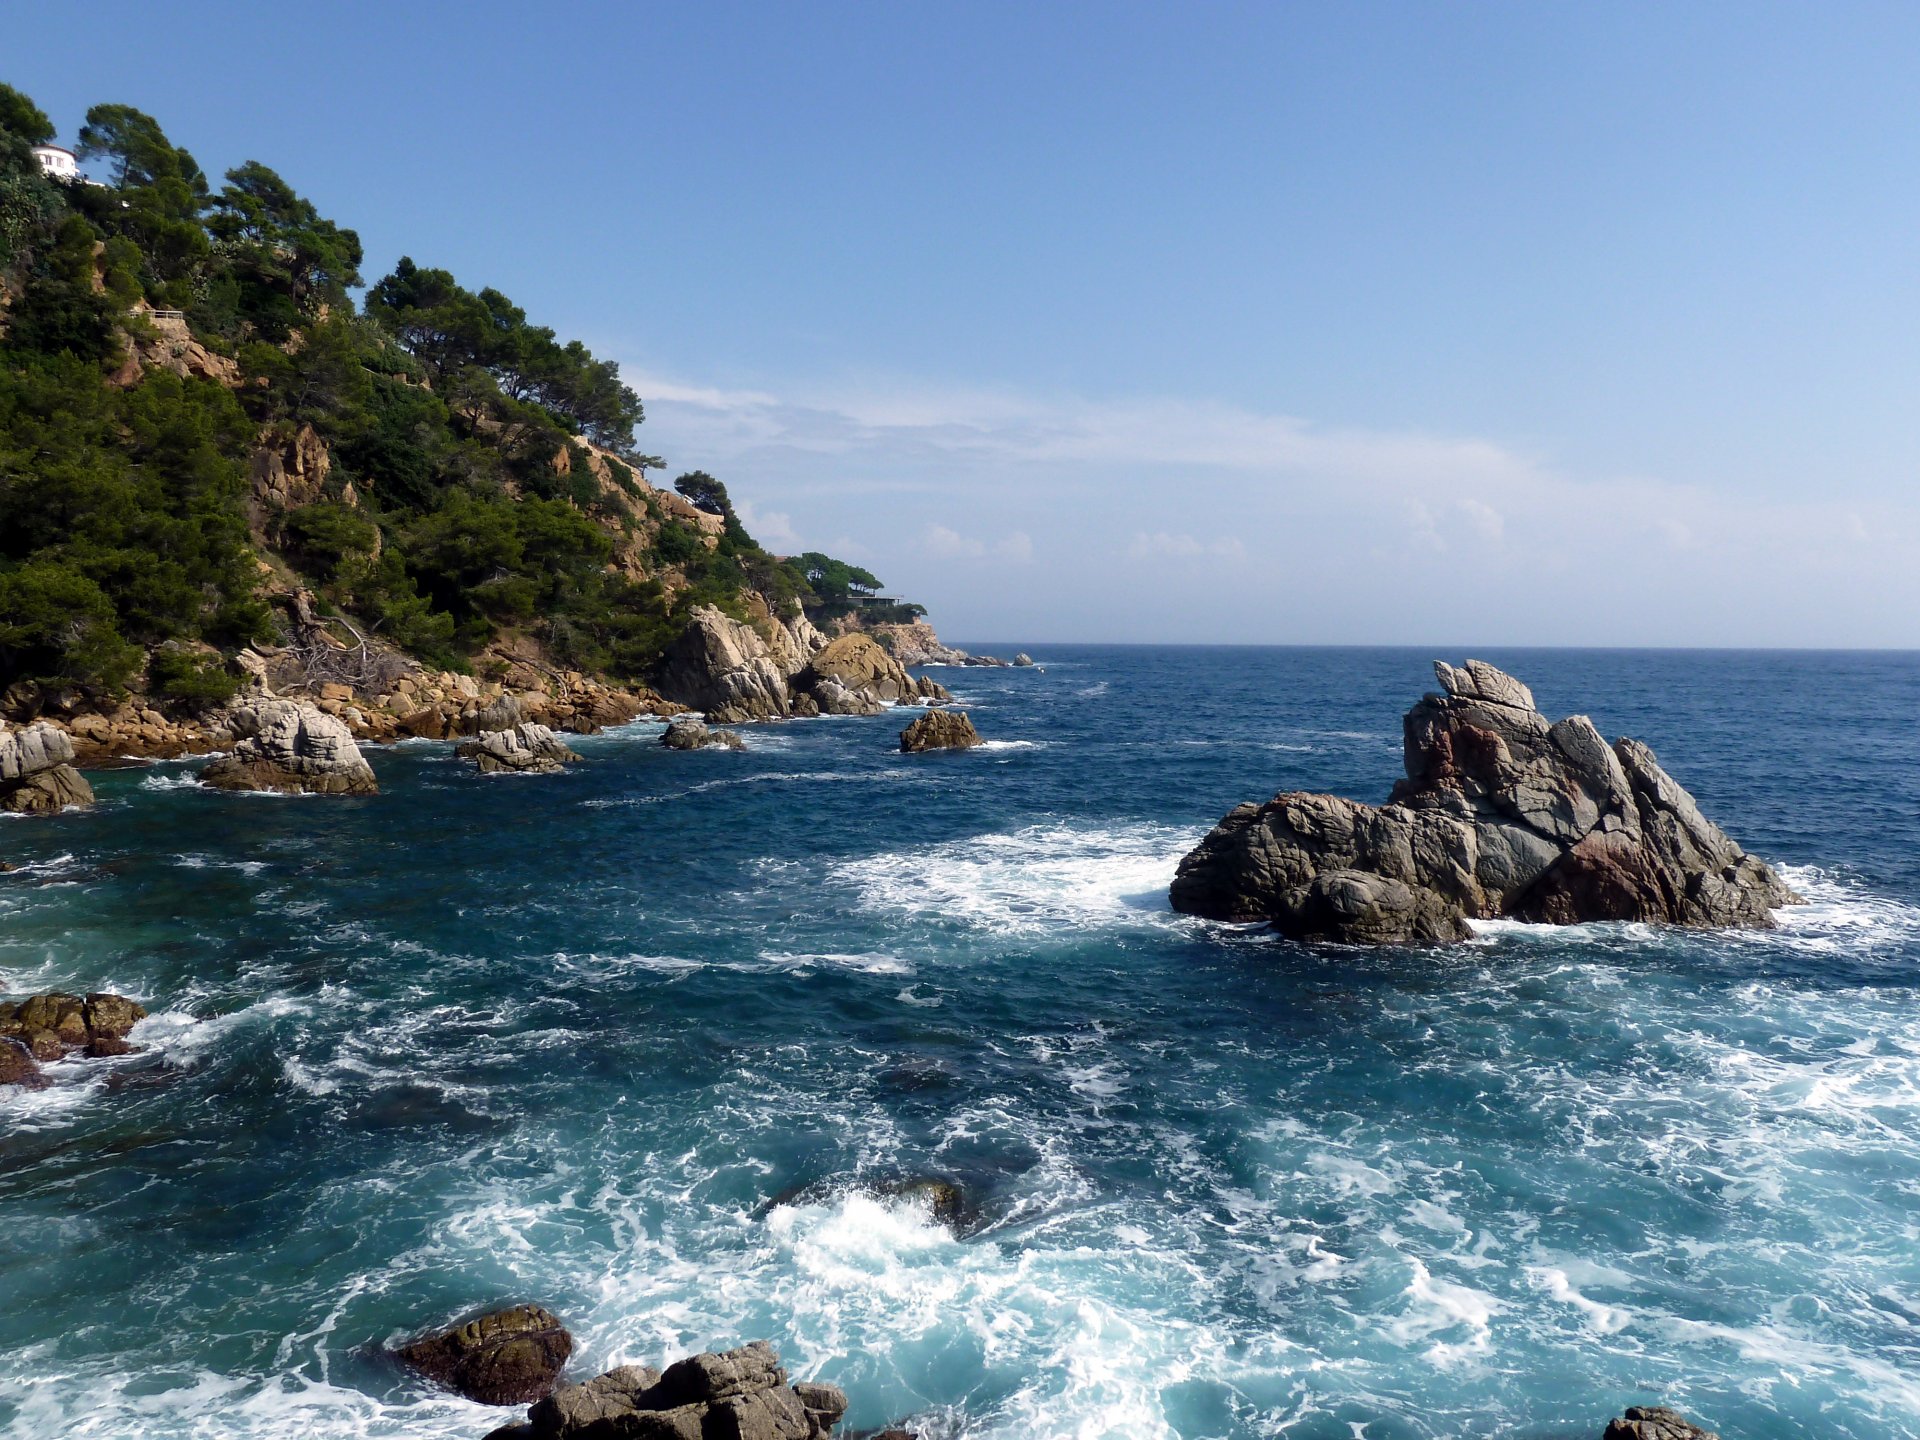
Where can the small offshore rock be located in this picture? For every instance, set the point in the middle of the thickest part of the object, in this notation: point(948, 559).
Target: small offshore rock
point(738, 1394)
point(506, 1357)
point(527, 748)
point(17, 1066)
point(1023, 660)
point(684, 732)
point(939, 730)
point(291, 747)
point(1655, 1422)
point(55, 1024)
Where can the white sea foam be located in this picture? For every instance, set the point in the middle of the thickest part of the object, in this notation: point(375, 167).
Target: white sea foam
point(1039, 879)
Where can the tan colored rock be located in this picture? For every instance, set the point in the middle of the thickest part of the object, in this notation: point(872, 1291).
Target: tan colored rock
point(939, 730)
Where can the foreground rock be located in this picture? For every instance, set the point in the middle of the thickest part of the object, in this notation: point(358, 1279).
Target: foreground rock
point(36, 771)
point(1655, 1422)
point(290, 747)
point(739, 1394)
point(1501, 813)
point(507, 1357)
point(724, 668)
point(55, 1025)
point(526, 749)
point(939, 730)
point(686, 733)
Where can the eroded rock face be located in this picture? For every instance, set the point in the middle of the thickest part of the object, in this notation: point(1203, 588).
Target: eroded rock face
point(1501, 813)
point(53, 1025)
point(508, 1357)
point(686, 733)
point(939, 730)
point(525, 749)
point(36, 771)
point(1655, 1422)
point(858, 664)
point(291, 747)
point(740, 1394)
point(724, 668)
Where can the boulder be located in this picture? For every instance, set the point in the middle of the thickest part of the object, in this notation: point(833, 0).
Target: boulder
point(857, 663)
point(684, 732)
point(292, 747)
point(723, 667)
point(36, 771)
point(939, 730)
point(1501, 813)
point(525, 749)
point(739, 1394)
point(1023, 660)
point(55, 1024)
point(17, 1066)
point(506, 1357)
point(1655, 1422)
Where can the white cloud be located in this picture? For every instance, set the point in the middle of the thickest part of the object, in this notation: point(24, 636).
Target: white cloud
point(1162, 546)
point(772, 528)
point(949, 544)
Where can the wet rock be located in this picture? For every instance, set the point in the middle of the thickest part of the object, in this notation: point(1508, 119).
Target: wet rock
point(1655, 1422)
point(506, 1357)
point(526, 749)
point(36, 771)
point(939, 730)
point(17, 1066)
point(53, 1025)
point(1501, 813)
point(291, 747)
point(946, 1202)
point(733, 1395)
point(686, 733)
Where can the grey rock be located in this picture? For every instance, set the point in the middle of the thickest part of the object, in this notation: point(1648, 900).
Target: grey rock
point(684, 732)
point(36, 771)
point(526, 748)
point(723, 667)
point(738, 1394)
point(292, 747)
point(1500, 813)
point(1023, 660)
point(939, 730)
point(1655, 1422)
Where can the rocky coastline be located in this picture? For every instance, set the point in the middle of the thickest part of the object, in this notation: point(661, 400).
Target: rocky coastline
point(1501, 814)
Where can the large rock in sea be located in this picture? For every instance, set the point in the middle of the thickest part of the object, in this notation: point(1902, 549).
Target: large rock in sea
point(721, 666)
point(525, 749)
point(1655, 1422)
point(506, 1357)
point(684, 732)
point(939, 730)
point(53, 1025)
point(1502, 813)
point(739, 1394)
point(859, 665)
point(291, 747)
point(36, 771)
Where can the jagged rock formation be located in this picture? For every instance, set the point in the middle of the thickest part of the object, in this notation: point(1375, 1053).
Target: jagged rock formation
point(739, 1394)
point(939, 730)
point(684, 732)
point(36, 771)
point(857, 664)
point(1655, 1422)
point(55, 1025)
point(293, 748)
point(1501, 813)
point(525, 748)
point(508, 1357)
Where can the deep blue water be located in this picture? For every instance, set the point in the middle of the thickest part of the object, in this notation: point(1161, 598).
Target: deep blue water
point(561, 1039)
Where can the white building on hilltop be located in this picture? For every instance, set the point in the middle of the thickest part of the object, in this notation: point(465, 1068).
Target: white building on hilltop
point(57, 162)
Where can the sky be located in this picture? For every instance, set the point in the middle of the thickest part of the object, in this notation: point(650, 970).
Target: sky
point(1293, 323)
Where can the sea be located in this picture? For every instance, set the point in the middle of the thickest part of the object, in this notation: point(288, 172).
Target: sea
point(649, 1042)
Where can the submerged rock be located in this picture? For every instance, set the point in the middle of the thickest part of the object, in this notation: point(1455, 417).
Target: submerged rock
point(55, 1024)
point(17, 1066)
point(686, 733)
point(1501, 813)
point(526, 748)
point(946, 1202)
point(506, 1357)
point(36, 771)
point(291, 747)
point(1655, 1422)
point(741, 1394)
point(939, 730)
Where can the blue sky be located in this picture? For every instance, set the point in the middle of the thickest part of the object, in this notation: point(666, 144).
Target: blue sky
point(1303, 323)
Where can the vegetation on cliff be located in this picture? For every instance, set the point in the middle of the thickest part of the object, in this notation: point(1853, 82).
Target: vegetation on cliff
point(196, 419)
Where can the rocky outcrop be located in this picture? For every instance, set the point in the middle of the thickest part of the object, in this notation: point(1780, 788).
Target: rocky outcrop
point(739, 1394)
point(1655, 1422)
point(1502, 813)
point(684, 732)
point(939, 730)
point(525, 749)
point(507, 1357)
point(36, 771)
point(55, 1025)
point(17, 1067)
point(723, 667)
point(1023, 660)
point(167, 344)
point(293, 748)
point(857, 664)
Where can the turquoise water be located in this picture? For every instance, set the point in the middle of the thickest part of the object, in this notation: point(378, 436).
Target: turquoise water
point(561, 1039)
